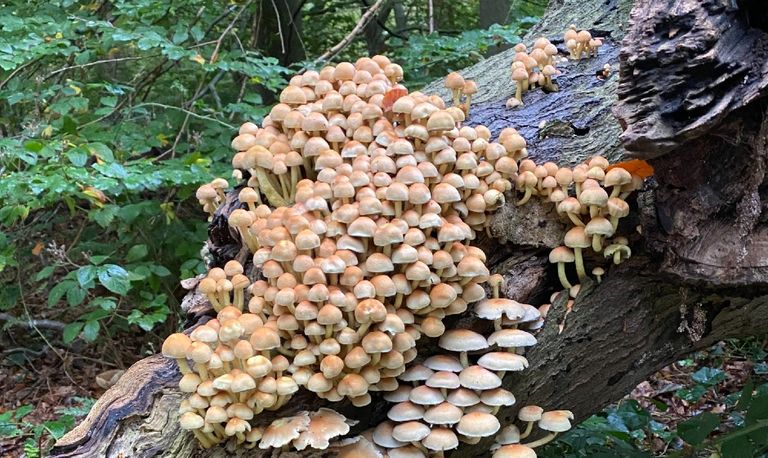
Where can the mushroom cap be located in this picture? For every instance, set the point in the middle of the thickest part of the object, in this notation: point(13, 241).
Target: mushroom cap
point(493, 309)
point(425, 396)
point(478, 424)
point(411, 431)
point(556, 420)
point(479, 378)
point(265, 338)
point(416, 373)
point(443, 363)
point(325, 424)
point(408, 451)
point(463, 397)
point(497, 397)
point(191, 420)
point(405, 411)
point(593, 196)
point(503, 361)
point(530, 413)
point(441, 439)
point(176, 345)
point(514, 451)
point(443, 379)
point(382, 435)
point(283, 430)
point(507, 338)
point(462, 340)
point(561, 254)
point(599, 226)
point(577, 238)
point(444, 413)
point(454, 81)
point(509, 434)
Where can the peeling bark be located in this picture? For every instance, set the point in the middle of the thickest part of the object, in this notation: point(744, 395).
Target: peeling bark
point(698, 271)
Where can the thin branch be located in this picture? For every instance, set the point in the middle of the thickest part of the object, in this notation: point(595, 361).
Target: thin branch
point(97, 62)
point(361, 24)
point(215, 53)
point(31, 324)
point(191, 113)
point(19, 69)
point(279, 27)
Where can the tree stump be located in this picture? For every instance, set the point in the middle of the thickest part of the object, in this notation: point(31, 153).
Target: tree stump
point(688, 99)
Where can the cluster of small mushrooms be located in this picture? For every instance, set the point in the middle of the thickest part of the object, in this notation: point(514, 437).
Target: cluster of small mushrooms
point(580, 43)
point(358, 205)
point(537, 68)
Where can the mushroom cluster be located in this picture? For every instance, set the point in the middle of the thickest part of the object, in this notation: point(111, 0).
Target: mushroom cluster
point(358, 205)
point(507, 442)
point(592, 198)
point(459, 87)
point(448, 398)
point(537, 68)
point(580, 43)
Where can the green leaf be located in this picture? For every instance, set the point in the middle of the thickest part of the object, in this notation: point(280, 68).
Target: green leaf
point(85, 275)
point(71, 331)
point(746, 396)
point(692, 394)
point(75, 296)
point(160, 271)
point(708, 376)
point(136, 252)
point(737, 446)
point(106, 303)
point(758, 409)
point(57, 428)
point(91, 331)
point(77, 156)
point(114, 278)
point(102, 151)
point(45, 273)
point(695, 430)
point(96, 260)
point(58, 291)
point(108, 101)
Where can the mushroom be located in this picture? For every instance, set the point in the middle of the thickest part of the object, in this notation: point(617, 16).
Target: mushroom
point(577, 239)
point(555, 421)
point(530, 414)
point(562, 255)
point(176, 346)
point(462, 341)
point(440, 439)
point(514, 451)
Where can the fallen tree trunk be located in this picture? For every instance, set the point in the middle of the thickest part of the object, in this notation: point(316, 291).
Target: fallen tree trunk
point(688, 101)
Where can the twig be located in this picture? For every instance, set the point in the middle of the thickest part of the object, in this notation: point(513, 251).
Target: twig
point(215, 53)
point(18, 69)
point(361, 24)
point(279, 27)
point(97, 62)
point(194, 115)
point(431, 9)
point(31, 324)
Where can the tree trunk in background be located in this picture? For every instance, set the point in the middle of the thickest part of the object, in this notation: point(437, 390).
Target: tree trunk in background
point(375, 38)
point(690, 100)
point(493, 12)
point(285, 39)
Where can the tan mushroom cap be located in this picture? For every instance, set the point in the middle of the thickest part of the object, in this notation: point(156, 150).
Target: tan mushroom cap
point(462, 340)
point(325, 424)
point(507, 338)
point(509, 434)
point(443, 363)
point(382, 435)
point(514, 451)
point(556, 421)
point(463, 397)
point(408, 451)
point(405, 411)
point(503, 361)
point(530, 413)
point(478, 424)
point(411, 431)
point(444, 413)
point(176, 346)
point(479, 378)
point(497, 397)
point(283, 430)
point(440, 439)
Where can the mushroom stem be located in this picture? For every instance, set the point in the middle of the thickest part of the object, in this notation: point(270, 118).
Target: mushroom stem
point(527, 431)
point(597, 244)
point(183, 366)
point(575, 219)
point(528, 192)
point(214, 302)
point(204, 441)
point(579, 264)
point(519, 91)
point(614, 222)
point(615, 191)
point(544, 440)
point(497, 324)
point(561, 275)
point(200, 368)
point(594, 210)
point(464, 359)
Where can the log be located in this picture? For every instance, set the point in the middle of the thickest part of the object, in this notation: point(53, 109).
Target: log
point(688, 98)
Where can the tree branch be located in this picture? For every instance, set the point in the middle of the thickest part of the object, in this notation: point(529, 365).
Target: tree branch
point(361, 24)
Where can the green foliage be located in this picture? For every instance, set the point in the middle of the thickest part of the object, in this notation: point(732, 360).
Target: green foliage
point(13, 424)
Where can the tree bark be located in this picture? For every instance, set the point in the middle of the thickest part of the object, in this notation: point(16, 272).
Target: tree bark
point(689, 100)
